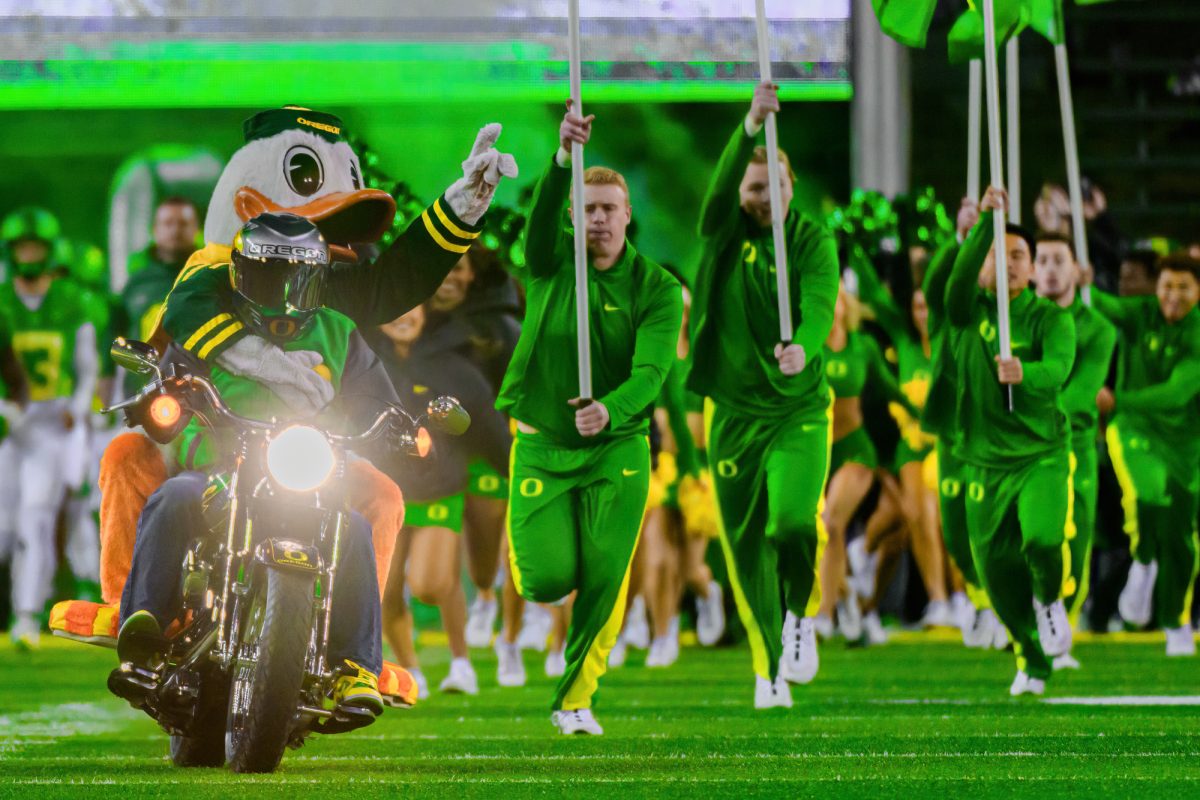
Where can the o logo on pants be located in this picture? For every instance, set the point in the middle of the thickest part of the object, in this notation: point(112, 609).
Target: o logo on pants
point(489, 483)
point(531, 487)
point(438, 512)
point(975, 491)
point(951, 487)
point(726, 468)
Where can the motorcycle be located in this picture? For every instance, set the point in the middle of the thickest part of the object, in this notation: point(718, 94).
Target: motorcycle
point(246, 674)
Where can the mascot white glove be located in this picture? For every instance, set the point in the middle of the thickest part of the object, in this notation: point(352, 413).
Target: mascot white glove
point(289, 375)
point(470, 195)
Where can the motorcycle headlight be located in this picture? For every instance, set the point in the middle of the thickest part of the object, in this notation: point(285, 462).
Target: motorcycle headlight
point(300, 458)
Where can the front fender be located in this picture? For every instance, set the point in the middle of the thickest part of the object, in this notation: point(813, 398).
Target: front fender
point(290, 555)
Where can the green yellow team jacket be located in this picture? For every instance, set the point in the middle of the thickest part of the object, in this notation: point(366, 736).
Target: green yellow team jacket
point(1095, 339)
point(635, 312)
point(735, 307)
point(1043, 338)
point(44, 339)
point(1158, 377)
point(198, 314)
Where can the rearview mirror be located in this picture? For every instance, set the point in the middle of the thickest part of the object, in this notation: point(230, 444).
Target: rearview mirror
point(135, 356)
point(447, 415)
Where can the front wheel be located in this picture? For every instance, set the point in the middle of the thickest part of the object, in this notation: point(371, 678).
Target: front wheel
point(269, 672)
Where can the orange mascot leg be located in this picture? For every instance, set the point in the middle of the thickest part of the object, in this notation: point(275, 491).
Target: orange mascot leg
point(378, 498)
point(130, 470)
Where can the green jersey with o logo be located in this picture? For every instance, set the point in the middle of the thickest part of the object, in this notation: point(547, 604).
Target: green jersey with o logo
point(44, 337)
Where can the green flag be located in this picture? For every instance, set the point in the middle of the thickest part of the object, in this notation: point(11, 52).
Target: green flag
point(1046, 17)
point(906, 21)
point(966, 36)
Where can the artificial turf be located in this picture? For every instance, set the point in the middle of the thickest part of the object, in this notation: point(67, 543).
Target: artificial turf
point(919, 717)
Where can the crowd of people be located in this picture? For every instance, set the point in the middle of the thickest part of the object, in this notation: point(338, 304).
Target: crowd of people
point(715, 472)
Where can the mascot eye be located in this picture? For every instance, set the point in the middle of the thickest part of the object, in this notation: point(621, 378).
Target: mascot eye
point(303, 170)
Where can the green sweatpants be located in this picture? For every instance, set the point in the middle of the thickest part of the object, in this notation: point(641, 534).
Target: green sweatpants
point(952, 503)
point(1017, 519)
point(1085, 472)
point(1160, 518)
point(769, 476)
point(574, 516)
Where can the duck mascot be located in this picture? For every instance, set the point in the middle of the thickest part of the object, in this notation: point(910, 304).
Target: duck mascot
point(295, 160)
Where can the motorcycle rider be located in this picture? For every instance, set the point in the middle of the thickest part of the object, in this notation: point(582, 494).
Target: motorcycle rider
point(278, 298)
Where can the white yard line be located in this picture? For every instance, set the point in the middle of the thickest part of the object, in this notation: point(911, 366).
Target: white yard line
point(1127, 700)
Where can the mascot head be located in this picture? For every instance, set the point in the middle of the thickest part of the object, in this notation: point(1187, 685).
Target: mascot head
point(297, 160)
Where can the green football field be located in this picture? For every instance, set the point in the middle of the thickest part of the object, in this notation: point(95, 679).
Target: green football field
point(920, 717)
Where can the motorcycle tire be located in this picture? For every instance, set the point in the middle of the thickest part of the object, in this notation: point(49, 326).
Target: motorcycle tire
point(278, 674)
point(207, 747)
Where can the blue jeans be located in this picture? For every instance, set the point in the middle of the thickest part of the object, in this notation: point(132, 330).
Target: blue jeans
point(173, 517)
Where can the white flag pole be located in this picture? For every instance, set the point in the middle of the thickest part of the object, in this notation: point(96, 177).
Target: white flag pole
point(992, 89)
point(584, 341)
point(1074, 181)
point(974, 132)
point(1012, 118)
point(777, 210)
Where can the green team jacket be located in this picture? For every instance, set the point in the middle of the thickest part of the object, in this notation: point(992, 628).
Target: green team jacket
point(1158, 377)
point(1095, 339)
point(635, 310)
point(673, 400)
point(938, 415)
point(735, 316)
point(1043, 338)
point(199, 316)
point(360, 383)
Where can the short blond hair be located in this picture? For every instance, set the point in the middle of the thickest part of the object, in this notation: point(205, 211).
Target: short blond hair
point(759, 156)
point(604, 176)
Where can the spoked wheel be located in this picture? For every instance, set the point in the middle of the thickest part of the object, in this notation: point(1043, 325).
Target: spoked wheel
point(269, 672)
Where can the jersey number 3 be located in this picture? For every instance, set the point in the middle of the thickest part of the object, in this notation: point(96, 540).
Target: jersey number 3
point(41, 353)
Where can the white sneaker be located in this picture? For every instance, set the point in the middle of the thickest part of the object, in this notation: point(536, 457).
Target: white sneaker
point(1023, 684)
point(772, 695)
point(938, 614)
point(481, 619)
point(1137, 598)
point(983, 630)
point(822, 623)
point(850, 617)
point(1054, 629)
point(873, 627)
point(26, 632)
point(580, 720)
point(510, 667)
point(535, 628)
point(421, 682)
point(962, 611)
point(556, 663)
point(637, 626)
point(664, 651)
point(799, 662)
point(1181, 641)
point(1065, 661)
point(616, 656)
point(863, 566)
point(710, 616)
point(462, 679)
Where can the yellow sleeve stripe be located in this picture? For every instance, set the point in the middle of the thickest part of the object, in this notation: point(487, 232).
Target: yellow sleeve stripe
point(189, 272)
point(225, 333)
point(205, 329)
point(450, 226)
point(437, 236)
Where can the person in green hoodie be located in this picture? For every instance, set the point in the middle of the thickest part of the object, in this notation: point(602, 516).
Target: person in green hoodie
point(1057, 276)
point(770, 405)
point(1154, 442)
point(581, 467)
point(1016, 458)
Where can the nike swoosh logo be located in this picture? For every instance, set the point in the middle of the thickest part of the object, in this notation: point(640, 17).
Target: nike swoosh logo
point(628, 472)
point(608, 307)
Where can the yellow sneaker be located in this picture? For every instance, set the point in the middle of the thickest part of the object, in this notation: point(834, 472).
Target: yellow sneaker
point(357, 688)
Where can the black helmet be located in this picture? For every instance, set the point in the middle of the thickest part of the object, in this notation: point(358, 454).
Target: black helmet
point(278, 272)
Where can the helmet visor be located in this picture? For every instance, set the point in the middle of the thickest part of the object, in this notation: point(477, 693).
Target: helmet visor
point(277, 285)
